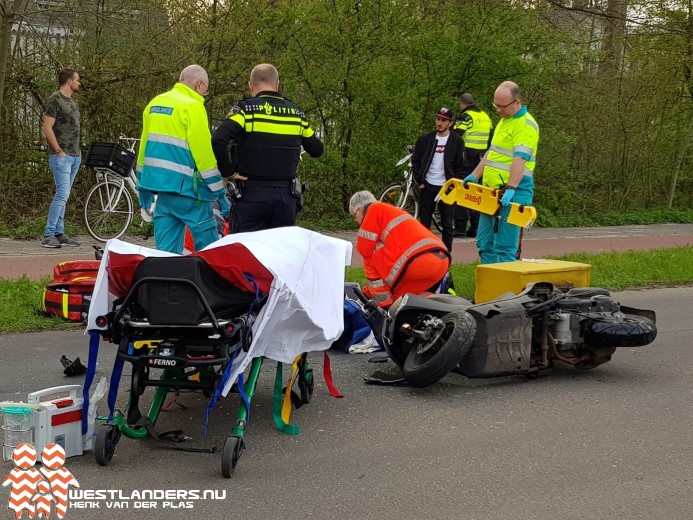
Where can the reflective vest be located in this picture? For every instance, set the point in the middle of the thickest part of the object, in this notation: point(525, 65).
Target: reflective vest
point(388, 239)
point(514, 137)
point(476, 129)
point(175, 154)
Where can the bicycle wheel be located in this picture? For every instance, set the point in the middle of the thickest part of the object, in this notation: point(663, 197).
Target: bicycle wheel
point(108, 210)
point(395, 195)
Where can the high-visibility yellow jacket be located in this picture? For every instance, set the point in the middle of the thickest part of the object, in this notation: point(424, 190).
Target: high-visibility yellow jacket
point(475, 127)
point(388, 239)
point(175, 154)
point(517, 136)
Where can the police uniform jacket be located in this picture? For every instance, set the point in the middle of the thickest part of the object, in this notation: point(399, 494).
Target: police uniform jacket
point(267, 132)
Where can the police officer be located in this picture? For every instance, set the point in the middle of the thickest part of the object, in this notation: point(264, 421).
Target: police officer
point(266, 133)
point(475, 127)
point(508, 165)
point(176, 161)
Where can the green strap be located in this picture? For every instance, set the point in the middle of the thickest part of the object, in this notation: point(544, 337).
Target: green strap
point(277, 401)
point(197, 178)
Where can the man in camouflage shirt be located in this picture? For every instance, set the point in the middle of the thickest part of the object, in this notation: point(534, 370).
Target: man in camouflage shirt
point(61, 128)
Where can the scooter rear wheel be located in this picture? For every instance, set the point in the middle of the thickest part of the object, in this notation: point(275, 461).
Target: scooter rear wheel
point(427, 363)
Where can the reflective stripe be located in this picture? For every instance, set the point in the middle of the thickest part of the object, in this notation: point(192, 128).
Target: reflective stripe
point(502, 151)
point(169, 165)
point(405, 257)
point(528, 172)
point(167, 139)
point(368, 235)
point(215, 186)
point(138, 169)
point(531, 123)
point(381, 297)
point(376, 283)
point(524, 149)
point(208, 174)
point(500, 166)
point(394, 223)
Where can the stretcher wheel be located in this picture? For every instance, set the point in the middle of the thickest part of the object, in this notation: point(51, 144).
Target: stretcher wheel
point(106, 442)
point(233, 449)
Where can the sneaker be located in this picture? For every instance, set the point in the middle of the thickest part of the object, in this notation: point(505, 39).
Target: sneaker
point(51, 241)
point(67, 241)
point(390, 375)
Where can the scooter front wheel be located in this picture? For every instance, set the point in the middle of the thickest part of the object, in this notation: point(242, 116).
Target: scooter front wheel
point(629, 331)
point(429, 360)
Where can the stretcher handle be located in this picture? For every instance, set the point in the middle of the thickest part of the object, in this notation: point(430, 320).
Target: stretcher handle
point(35, 397)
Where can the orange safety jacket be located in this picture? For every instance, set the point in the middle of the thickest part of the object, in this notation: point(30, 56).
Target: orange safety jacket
point(388, 240)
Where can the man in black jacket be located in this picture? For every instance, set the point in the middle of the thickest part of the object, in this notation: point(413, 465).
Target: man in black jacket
point(268, 131)
point(438, 156)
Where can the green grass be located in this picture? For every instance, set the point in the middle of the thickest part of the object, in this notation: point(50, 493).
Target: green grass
point(20, 299)
point(20, 307)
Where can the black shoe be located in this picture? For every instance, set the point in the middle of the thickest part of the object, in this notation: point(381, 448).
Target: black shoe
point(379, 358)
point(459, 234)
point(390, 375)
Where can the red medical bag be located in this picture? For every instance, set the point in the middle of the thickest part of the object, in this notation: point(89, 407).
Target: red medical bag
point(69, 294)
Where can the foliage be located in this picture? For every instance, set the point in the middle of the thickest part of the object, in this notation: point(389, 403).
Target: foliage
point(613, 100)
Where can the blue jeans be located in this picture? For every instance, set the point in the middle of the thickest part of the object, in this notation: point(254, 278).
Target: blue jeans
point(64, 173)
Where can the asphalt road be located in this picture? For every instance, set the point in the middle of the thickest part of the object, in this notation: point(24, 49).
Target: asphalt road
point(611, 443)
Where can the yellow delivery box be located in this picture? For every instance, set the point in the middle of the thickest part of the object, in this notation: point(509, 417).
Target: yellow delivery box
point(492, 280)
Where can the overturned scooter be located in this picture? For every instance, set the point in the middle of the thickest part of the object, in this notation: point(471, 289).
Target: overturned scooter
point(521, 334)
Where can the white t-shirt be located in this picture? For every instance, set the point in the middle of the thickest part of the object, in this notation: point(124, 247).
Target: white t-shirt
point(436, 172)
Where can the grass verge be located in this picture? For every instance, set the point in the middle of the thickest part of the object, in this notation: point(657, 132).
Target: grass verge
point(20, 299)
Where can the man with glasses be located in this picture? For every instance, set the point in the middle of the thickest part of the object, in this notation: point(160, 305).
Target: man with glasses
point(176, 161)
point(438, 156)
point(508, 165)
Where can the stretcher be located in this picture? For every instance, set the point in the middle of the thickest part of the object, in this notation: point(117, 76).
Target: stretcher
point(485, 200)
point(197, 322)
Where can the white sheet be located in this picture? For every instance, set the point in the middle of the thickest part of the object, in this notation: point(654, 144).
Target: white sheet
point(304, 311)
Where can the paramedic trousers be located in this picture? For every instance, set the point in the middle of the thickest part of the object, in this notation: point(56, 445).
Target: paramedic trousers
point(173, 213)
point(496, 240)
point(423, 273)
point(263, 207)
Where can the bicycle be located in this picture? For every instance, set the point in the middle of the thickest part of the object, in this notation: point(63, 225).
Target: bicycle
point(405, 194)
point(109, 207)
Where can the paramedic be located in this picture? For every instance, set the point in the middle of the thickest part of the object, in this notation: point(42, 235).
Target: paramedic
point(508, 165)
point(399, 254)
point(176, 161)
point(266, 134)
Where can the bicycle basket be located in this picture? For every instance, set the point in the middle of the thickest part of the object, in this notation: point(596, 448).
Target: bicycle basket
point(111, 157)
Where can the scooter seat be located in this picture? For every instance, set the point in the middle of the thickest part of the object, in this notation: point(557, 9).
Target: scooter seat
point(451, 299)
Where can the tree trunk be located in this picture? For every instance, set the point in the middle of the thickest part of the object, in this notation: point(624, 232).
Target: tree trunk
point(8, 11)
point(679, 161)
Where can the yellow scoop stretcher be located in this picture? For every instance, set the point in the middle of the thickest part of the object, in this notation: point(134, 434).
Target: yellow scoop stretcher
point(485, 200)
